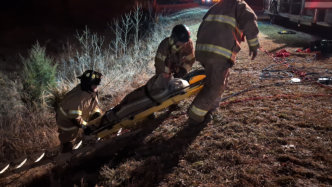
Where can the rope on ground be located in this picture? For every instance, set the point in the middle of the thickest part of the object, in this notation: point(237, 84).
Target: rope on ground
point(279, 58)
point(290, 68)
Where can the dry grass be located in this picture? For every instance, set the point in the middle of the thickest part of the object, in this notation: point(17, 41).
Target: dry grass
point(26, 134)
point(10, 96)
point(22, 131)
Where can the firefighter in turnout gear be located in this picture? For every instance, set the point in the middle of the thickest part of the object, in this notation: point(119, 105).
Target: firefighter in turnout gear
point(175, 54)
point(174, 58)
point(224, 26)
point(78, 107)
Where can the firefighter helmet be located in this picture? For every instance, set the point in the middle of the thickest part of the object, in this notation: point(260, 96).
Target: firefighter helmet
point(180, 33)
point(89, 78)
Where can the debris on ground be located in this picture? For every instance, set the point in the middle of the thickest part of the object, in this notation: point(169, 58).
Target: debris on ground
point(282, 53)
point(286, 32)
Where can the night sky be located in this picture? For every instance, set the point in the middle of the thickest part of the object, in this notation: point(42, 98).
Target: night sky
point(61, 11)
point(51, 22)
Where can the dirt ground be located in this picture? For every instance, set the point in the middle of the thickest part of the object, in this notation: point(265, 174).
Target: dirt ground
point(277, 133)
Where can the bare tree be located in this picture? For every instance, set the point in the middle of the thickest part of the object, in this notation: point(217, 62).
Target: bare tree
point(127, 24)
point(137, 21)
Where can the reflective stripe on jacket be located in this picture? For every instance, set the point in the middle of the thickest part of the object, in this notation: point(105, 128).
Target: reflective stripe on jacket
point(224, 27)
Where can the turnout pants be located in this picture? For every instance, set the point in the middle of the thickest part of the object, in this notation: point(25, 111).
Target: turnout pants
point(68, 132)
point(68, 138)
point(208, 99)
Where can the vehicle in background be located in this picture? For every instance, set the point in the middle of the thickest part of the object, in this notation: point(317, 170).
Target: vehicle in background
point(256, 5)
point(208, 2)
point(156, 7)
point(302, 12)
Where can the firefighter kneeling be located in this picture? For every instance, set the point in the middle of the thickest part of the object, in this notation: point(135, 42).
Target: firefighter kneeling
point(78, 109)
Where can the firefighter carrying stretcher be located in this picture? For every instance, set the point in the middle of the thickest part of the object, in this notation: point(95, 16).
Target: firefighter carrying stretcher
point(174, 58)
point(224, 26)
point(78, 109)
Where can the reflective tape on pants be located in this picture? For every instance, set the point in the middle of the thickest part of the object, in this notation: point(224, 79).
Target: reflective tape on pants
point(67, 128)
point(253, 42)
point(197, 111)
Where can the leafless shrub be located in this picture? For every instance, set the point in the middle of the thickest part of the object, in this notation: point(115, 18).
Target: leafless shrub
point(187, 16)
point(120, 61)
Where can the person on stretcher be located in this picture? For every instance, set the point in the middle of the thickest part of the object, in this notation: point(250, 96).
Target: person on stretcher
point(174, 58)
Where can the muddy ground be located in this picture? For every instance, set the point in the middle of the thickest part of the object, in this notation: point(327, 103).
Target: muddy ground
point(278, 133)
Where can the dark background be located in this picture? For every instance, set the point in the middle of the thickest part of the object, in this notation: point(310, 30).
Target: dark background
point(77, 12)
point(52, 23)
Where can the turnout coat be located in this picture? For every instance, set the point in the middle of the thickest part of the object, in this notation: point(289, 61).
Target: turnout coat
point(224, 27)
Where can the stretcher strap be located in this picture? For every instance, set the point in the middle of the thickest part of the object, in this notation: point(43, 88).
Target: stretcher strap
point(147, 93)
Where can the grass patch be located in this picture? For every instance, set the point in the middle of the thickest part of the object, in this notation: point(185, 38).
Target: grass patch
point(299, 39)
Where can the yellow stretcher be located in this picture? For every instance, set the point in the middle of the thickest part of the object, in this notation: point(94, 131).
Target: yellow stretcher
point(195, 80)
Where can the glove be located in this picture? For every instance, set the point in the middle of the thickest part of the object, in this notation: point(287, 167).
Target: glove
point(94, 116)
point(253, 52)
point(87, 130)
point(104, 120)
point(181, 72)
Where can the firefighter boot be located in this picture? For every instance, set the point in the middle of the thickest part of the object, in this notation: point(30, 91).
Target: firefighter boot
point(195, 119)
